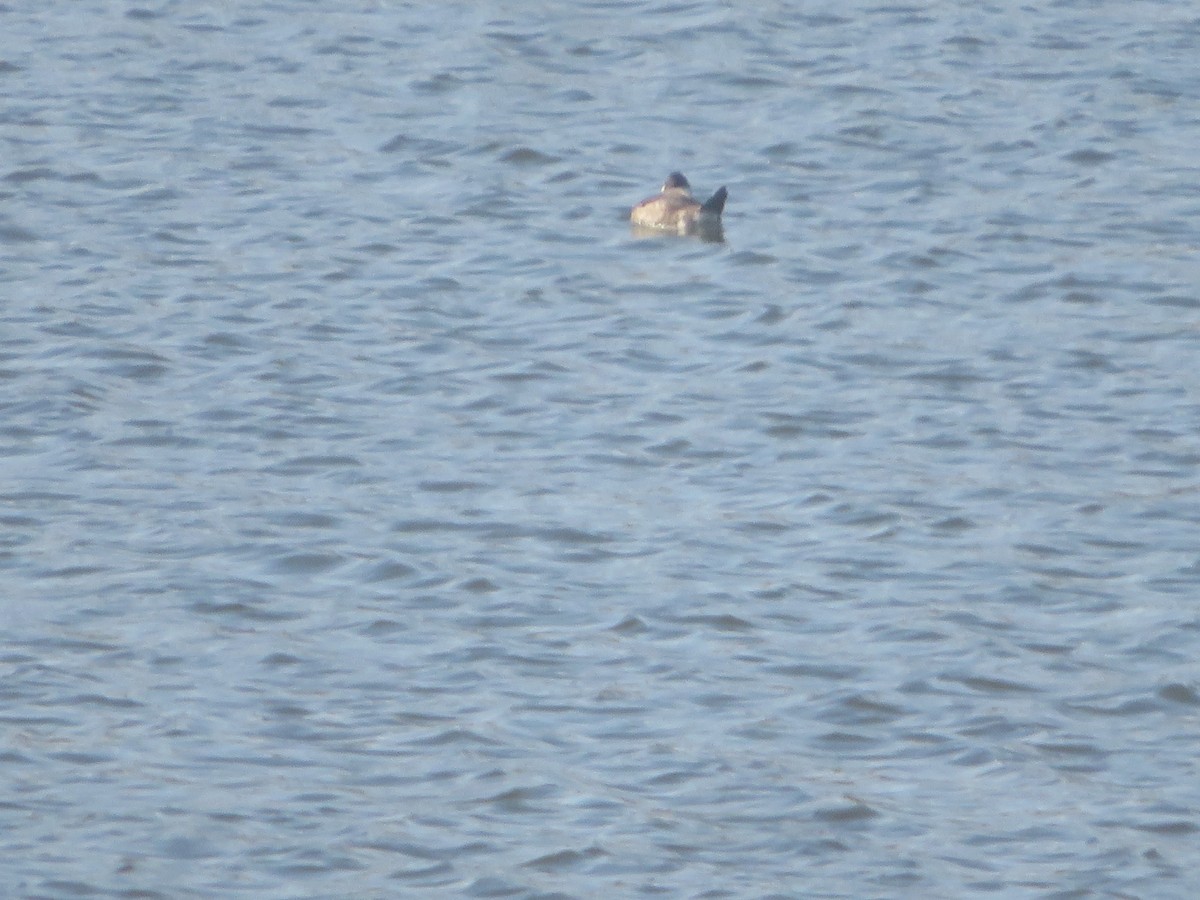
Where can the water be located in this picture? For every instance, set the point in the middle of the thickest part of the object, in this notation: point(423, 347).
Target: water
point(383, 518)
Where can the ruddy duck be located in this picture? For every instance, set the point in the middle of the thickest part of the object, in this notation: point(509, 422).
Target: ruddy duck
point(676, 210)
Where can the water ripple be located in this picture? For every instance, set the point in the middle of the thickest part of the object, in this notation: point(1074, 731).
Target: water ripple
point(381, 512)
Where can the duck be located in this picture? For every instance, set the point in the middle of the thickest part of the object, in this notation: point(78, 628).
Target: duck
point(675, 209)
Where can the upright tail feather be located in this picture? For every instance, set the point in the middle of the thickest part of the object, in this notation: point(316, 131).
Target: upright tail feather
point(716, 203)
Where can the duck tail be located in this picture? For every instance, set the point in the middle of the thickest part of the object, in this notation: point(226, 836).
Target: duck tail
point(716, 203)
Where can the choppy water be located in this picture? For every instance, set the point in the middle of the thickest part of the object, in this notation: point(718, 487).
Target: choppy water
point(382, 518)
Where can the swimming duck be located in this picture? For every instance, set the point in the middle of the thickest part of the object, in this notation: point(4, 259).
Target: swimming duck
point(675, 209)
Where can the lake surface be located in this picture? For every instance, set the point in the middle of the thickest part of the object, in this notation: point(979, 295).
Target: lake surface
point(382, 518)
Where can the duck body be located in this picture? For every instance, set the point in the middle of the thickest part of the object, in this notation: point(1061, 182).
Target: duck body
point(675, 209)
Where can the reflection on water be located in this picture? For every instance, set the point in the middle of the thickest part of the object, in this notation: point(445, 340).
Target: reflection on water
point(380, 519)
